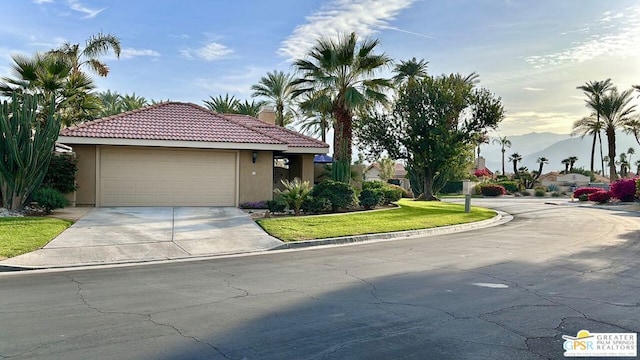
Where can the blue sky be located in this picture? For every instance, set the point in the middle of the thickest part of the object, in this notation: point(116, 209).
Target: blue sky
point(531, 53)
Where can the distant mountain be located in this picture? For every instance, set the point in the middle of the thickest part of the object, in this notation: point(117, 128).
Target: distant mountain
point(554, 147)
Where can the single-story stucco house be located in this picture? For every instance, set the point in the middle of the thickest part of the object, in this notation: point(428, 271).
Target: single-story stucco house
point(181, 154)
point(373, 172)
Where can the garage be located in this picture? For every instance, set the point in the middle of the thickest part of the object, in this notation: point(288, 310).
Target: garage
point(137, 176)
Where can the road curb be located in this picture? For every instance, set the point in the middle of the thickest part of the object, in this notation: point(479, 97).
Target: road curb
point(500, 218)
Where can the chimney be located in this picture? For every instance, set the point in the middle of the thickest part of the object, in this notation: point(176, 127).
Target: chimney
point(267, 114)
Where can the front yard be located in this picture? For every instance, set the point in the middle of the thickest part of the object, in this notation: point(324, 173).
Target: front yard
point(20, 235)
point(411, 215)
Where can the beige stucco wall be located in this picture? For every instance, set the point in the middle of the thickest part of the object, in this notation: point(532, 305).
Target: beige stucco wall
point(301, 166)
point(86, 177)
point(256, 180)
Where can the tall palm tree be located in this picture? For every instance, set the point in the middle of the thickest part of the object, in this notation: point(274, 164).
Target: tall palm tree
point(515, 158)
point(222, 105)
point(111, 103)
point(595, 90)
point(97, 45)
point(624, 164)
point(541, 161)
point(572, 161)
point(566, 163)
point(132, 102)
point(278, 88)
point(250, 108)
point(409, 71)
point(616, 113)
point(504, 143)
point(637, 163)
point(589, 125)
point(342, 72)
point(630, 152)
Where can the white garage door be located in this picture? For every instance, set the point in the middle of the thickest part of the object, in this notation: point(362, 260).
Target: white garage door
point(132, 176)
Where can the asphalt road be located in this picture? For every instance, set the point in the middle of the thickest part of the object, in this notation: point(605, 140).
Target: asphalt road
point(506, 292)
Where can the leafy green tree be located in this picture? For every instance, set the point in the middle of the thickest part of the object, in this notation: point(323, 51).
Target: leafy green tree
point(278, 88)
point(340, 72)
point(594, 91)
point(96, 46)
point(615, 110)
point(26, 147)
point(432, 126)
point(504, 143)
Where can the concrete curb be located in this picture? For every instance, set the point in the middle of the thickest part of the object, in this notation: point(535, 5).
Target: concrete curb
point(500, 218)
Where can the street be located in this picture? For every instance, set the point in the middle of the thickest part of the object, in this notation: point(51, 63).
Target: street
point(505, 292)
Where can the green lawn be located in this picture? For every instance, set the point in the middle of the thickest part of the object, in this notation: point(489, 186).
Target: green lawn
point(411, 215)
point(22, 235)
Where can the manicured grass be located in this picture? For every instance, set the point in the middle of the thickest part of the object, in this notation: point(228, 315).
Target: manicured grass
point(22, 235)
point(411, 215)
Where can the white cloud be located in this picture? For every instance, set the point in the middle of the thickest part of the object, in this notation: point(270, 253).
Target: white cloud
point(618, 37)
point(527, 88)
point(363, 17)
point(43, 1)
point(527, 121)
point(209, 52)
point(129, 53)
point(76, 5)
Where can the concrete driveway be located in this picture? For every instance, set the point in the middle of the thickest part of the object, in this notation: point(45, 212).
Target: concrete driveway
point(133, 234)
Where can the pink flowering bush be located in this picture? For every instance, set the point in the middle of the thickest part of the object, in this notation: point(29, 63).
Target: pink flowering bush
point(585, 190)
point(492, 190)
point(624, 190)
point(482, 173)
point(600, 197)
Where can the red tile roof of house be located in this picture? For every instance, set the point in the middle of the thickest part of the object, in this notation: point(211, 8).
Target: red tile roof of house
point(188, 122)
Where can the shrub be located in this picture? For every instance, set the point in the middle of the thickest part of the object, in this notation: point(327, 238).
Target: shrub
point(585, 190)
point(601, 196)
point(525, 193)
point(254, 205)
point(405, 193)
point(492, 190)
point(61, 174)
point(391, 194)
point(276, 206)
point(370, 198)
point(553, 188)
point(510, 186)
point(294, 194)
point(339, 194)
point(540, 193)
point(451, 187)
point(555, 194)
point(584, 197)
point(50, 199)
point(624, 189)
point(316, 205)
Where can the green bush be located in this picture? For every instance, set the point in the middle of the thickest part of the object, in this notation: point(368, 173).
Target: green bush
point(390, 193)
point(553, 188)
point(316, 205)
point(370, 198)
point(511, 186)
point(525, 193)
point(451, 187)
point(555, 194)
point(294, 194)
point(50, 199)
point(61, 174)
point(540, 193)
point(339, 194)
point(276, 206)
point(583, 197)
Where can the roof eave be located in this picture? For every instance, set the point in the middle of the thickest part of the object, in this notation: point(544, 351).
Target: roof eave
point(307, 150)
point(76, 140)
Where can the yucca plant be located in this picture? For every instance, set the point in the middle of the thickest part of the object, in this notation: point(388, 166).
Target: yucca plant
point(294, 194)
point(26, 147)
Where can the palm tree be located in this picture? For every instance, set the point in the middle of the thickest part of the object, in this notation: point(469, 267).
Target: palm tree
point(132, 102)
point(541, 161)
point(589, 125)
point(277, 87)
point(624, 164)
point(250, 108)
point(572, 161)
point(637, 167)
point(111, 103)
point(515, 158)
point(409, 71)
point(615, 111)
point(630, 152)
point(595, 90)
point(504, 143)
point(566, 163)
point(341, 72)
point(222, 105)
point(96, 46)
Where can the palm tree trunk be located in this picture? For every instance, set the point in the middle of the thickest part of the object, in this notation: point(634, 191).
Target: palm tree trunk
point(503, 174)
point(342, 145)
point(611, 138)
point(593, 151)
point(601, 156)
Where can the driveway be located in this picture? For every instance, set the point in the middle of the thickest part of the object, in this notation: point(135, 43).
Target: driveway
point(128, 234)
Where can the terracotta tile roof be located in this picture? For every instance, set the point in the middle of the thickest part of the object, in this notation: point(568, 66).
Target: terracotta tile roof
point(188, 122)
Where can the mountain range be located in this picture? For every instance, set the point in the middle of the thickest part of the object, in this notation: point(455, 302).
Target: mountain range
point(554, 147)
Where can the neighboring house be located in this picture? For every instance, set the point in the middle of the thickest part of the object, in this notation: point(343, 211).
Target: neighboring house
point(372, 173)
point(181, 154)
point(567, 182)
